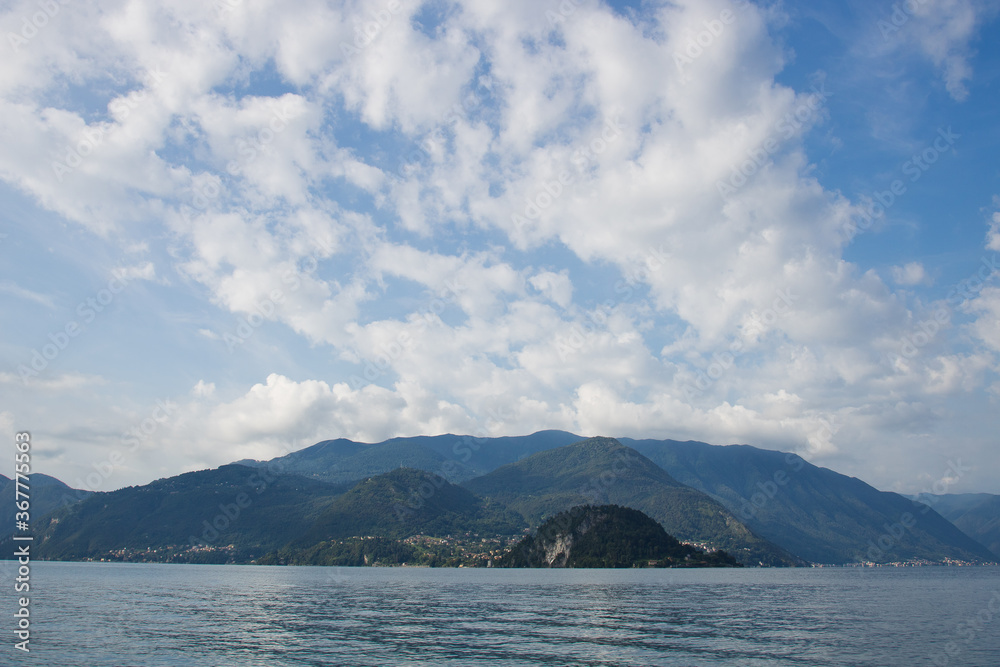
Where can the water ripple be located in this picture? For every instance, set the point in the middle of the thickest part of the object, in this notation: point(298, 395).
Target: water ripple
point(124, 615)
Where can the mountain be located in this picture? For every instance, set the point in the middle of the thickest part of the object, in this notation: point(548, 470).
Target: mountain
point(975, 514)
point(369, 523)
point(603, 471)
point(607, 536)
point(456, 458)
point(253, 510)
point(487, 454)
point(46, 494)
point(813, 512)
point(342, 461)
point(407, 502)
point(759, 505)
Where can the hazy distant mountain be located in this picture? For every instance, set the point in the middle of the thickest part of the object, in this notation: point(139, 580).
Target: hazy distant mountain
point(249, 508)
point(814, 512)
point(603, 471)
point(607, 536)
point(975, 514)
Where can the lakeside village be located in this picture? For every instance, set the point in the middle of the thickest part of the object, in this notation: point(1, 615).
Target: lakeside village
point(468, 550)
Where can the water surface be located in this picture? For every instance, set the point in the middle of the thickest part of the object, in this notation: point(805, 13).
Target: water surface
point(123, 615)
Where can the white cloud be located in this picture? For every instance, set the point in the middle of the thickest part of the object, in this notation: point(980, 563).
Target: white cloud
point(145, 271)
point(986, 308)
point(68, 382)
point(993, 236)
point(944, 31)
point(910, 274)
point(555, 286)
point(203, 389)
point(9, 287)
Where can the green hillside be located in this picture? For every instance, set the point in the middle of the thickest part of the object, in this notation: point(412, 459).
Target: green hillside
point(408, 502)
point(813, 512)
point(343, 461)
point(368, 523)
point(251, 509)
point(47, 495)
point(603, 471)
point(607, 536)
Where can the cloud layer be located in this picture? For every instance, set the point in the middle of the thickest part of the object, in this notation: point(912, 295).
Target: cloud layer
point(494, 221)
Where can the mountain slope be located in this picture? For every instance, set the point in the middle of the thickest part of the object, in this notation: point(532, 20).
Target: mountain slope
point(251, 509)
point(484, 455)
point(47, 494)
point(603, 471)
point(813, 512)
point(344, 461)
point(975, 514)
point(456, 458)
point(407, 502)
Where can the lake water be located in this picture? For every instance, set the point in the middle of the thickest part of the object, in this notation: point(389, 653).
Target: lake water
point(124, 615)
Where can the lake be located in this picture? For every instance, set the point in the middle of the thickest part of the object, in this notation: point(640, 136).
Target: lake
point(124, 615)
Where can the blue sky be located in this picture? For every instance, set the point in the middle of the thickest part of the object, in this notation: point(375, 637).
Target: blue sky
point(233, 230)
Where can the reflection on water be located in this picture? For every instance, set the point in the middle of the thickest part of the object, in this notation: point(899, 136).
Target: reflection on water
point(95, 615)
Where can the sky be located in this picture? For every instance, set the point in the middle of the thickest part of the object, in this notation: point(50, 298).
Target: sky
point(231, 229)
